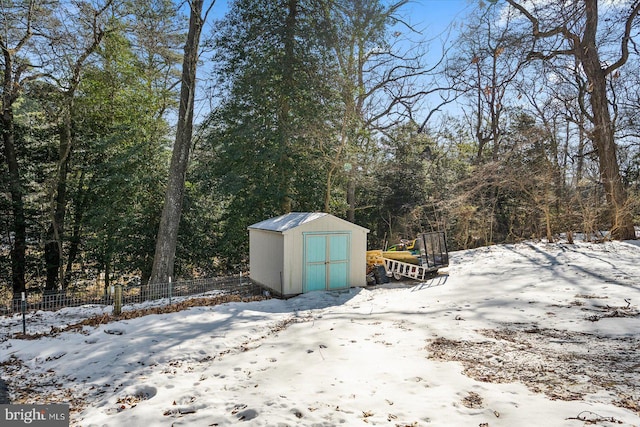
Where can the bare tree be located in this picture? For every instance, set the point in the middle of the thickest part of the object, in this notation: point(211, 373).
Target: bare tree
point(375, 81)
point(571, 29)
point(167, 238)
point(484, 70)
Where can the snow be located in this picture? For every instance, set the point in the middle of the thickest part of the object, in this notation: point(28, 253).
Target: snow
point(507, 335)
point(287, 221)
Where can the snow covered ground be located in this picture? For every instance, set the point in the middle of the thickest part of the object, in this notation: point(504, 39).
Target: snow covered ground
point(509, 335)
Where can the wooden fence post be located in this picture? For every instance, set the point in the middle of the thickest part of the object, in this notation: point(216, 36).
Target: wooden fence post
point(117, 300)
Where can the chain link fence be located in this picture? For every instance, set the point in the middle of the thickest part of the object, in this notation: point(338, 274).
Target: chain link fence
point(131, 294)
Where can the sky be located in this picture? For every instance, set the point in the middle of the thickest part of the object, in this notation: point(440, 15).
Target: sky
point(434, 12)
point(436, 15)
point(507, 335)
point(432, 17)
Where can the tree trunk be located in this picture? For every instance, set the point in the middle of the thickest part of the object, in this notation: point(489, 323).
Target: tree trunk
point(284, 121)
point(335, 162)
point(53, 246)
point(621, 218)
point(351, 198)
point(585, 50)
point(603, 132)
point(58, 198)
point(75, 238)
point(580, 154)
point(19, 244)
point(167, 238)
point(547, 221)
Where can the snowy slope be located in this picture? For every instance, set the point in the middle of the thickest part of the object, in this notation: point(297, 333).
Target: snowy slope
point(510, 335)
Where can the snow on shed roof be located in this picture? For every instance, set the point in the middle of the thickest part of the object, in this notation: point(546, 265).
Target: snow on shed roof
point(287, 221)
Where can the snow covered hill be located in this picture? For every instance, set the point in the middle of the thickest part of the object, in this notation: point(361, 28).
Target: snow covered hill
point(509, 335)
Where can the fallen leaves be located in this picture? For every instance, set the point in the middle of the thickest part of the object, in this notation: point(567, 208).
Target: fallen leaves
point(561, 364)
point(472, 400)
point(132, 314)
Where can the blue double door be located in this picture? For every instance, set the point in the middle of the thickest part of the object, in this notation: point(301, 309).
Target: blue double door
point(326, 261)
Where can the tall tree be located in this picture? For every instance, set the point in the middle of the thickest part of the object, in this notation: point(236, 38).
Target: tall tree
point(22, 21)
point(376, 73)
point(75, 47)
point(483, 69)
point(167, 237)
point(572, 29)
point(116, 191)
point(405, 180)
point(263, 151)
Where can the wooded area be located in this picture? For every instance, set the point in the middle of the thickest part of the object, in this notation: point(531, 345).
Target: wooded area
point(521, 124)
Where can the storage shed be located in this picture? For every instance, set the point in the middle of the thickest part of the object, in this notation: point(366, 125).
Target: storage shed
point(307, 251)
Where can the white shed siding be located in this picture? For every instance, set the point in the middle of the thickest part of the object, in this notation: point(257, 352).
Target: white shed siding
point(292, 257)
point(285, 261)
point(266, 252)
point(358, 270)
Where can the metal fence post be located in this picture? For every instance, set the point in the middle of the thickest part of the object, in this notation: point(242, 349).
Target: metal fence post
point(24, 309)
point(114, 295)
point(117, 300)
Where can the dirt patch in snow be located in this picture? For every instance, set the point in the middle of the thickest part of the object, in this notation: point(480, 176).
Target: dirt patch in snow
point(561, 364)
